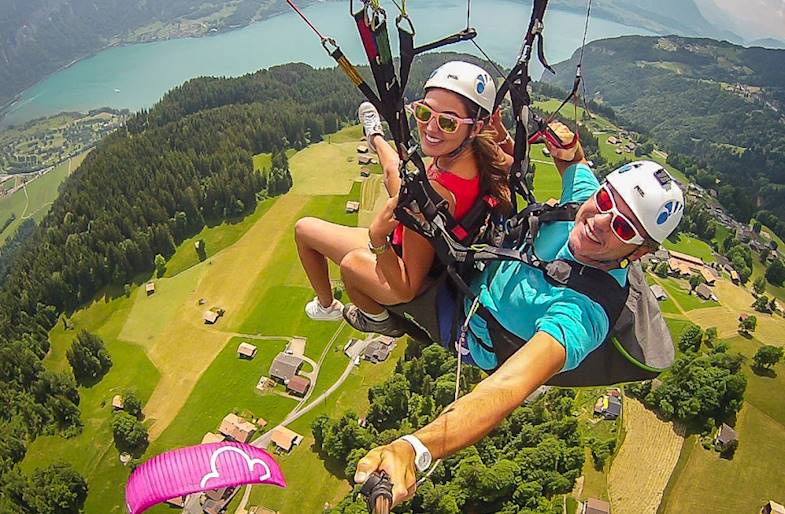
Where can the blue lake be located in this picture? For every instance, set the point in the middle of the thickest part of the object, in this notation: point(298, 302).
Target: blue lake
point(136, 76)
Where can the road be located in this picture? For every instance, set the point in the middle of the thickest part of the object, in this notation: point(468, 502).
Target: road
point(192, 503)
point(299, 410)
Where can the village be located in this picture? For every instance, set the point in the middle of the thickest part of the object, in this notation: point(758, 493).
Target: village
point(291, 374)
point(43, 144)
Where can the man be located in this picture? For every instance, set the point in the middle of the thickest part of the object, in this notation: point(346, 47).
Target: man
point(619, 221)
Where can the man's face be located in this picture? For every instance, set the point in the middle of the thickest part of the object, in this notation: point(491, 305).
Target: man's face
point(592, 237)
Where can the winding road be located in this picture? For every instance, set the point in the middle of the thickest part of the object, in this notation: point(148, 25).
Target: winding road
point(192, 505)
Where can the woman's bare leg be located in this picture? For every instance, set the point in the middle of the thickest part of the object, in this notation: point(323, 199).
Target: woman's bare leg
point(365, 284)
point(318, 240)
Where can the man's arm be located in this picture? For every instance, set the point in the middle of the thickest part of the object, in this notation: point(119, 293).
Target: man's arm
point(472, 416)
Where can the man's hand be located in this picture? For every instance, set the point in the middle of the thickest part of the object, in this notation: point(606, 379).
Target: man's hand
point(563, 158)
point(563, 132)
point(397, 460)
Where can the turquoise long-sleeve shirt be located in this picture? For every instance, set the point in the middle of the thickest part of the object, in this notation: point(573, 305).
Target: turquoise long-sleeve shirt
point(524, 302)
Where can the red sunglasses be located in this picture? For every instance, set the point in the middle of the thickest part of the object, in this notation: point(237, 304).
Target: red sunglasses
point(622, 227)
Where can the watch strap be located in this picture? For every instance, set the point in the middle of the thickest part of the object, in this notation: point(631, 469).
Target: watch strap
point(420, 450)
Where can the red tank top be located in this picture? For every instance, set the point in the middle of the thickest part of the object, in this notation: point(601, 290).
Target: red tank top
point(464, 190)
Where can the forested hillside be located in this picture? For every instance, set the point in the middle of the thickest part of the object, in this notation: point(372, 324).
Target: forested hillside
point(716, 107)
point(140, 192)
point(39, 36)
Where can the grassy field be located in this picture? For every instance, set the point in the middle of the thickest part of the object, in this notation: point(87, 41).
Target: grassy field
point(188, 373)
point(650, 464)
point(34, 199)
point(92, 452)
point(691, 246)
point(216, 237)
point(312, 480)
point(227, 385)
point(708, 483)
point(678, 293)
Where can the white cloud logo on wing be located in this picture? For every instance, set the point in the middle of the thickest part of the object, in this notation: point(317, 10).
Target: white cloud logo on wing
point(248, 460)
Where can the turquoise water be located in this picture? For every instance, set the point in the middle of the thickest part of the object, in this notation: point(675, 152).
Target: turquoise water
point(136, 76)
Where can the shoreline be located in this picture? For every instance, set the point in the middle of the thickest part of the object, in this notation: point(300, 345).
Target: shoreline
point(9, 105)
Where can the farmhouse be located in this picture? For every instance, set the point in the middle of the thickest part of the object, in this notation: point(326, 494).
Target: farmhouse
point(246, 351)
point(149, 288)
point(362, 149)
point(377, 351)
point(117, 402)
point(704, 292)
point(734, 276)
point(352, 207)
point(364, 160)
point(608, 406)
point(264, 384)
point(725, 435)
point(285, 439)
point(697, 261)
point(211, 316)
point(284, 367)
point(298, 385)
point(658, 292)
point(708, 276)
point(237, 428)
point(772, 507)
point(365, 172)
point(211, 437)
point(612, 140)
point(177, 502)
point(595, 506)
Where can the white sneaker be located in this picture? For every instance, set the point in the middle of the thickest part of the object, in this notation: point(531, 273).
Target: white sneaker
point(315, 311)
point(372, 122)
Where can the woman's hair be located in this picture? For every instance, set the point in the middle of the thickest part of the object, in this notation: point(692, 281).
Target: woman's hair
point(494, 173)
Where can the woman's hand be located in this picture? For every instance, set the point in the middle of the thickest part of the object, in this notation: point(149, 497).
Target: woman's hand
point(496, 124)
point(384, 223)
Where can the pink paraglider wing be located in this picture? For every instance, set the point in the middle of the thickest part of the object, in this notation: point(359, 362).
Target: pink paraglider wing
point(199, 468)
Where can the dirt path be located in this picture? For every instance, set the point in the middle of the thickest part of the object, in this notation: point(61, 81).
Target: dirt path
point(185, 347)
point(644, 464)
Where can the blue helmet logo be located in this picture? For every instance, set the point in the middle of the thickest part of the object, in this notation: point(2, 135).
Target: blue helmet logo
point(668, 210)
point(479, 85)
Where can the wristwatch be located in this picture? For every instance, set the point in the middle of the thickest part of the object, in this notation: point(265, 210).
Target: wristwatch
point(422, 456)
point(378, 250)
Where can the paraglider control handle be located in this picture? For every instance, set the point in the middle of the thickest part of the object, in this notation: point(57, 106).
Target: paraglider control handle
point(378, 493)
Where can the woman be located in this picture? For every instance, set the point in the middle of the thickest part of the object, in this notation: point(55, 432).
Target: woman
point(388, 263)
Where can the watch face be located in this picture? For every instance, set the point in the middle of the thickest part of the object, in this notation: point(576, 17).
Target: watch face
point(423, 461)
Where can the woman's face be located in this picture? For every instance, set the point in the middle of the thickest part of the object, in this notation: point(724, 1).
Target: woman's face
point(434, 141)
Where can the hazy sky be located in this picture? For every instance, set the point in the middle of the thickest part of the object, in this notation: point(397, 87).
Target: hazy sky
point(753, 19)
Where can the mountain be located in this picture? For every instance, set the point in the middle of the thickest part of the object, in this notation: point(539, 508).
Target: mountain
point(659, 16)
point(762, 20)
point(719, 104)
point(768, 42)
point(37, 37)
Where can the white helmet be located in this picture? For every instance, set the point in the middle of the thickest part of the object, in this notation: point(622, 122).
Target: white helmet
point(466, 79)
point(652, 195)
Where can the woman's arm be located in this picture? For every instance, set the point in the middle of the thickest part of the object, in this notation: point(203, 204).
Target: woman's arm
point(405, 275)
point(389, 160)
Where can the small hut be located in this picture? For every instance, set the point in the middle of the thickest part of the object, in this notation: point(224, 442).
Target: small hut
point(117, 402)
point(149, 288)
point(364, 160)
point(352, 207)
point(365, 172)
point(362, 149)
point(246, 351)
